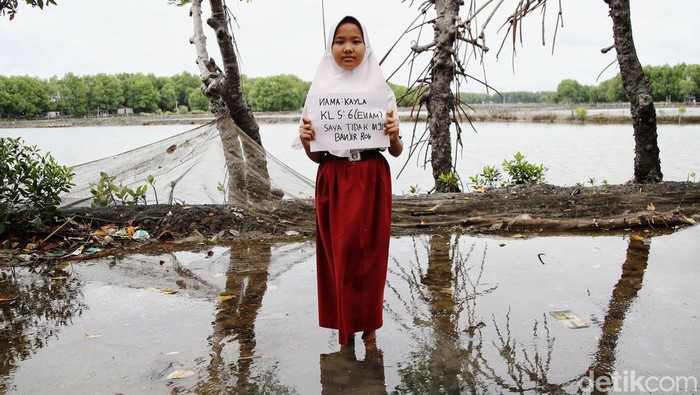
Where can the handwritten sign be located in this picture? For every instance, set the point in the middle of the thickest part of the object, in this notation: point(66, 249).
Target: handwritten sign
point(348, 120)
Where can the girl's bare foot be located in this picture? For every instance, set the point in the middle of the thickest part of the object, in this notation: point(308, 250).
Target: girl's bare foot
point(370, 340)
point(369, 336)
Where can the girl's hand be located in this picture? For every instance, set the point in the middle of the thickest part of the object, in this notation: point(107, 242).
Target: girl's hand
point(306, 133)
point(392, 127)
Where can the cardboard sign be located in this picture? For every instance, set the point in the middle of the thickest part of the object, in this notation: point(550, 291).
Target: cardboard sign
point(348, 120)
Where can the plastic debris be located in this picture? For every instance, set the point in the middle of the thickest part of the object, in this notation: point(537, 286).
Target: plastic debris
point(569, 319)
point(140, 235)
point(165, 235)
point(180, 374)
point(28, 257)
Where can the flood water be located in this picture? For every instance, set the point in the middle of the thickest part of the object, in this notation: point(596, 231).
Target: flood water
point(572, 153)
point(463, 314)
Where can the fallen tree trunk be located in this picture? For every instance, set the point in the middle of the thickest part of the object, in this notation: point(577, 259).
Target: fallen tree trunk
point(548, 208)
point(525, 223)
point(534, 208)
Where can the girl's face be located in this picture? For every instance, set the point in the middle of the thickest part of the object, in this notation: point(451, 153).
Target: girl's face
point(348, 46)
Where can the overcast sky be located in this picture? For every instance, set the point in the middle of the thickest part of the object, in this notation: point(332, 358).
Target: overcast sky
point(88, 37)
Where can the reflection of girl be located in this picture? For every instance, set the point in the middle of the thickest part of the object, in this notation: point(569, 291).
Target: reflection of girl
point(343, 373)
point(353, 197)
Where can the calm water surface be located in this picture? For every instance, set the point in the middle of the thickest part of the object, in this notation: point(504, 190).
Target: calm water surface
point(572, 153)
point(463, 314)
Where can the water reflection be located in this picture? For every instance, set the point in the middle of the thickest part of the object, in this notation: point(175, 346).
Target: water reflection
point(624, 293)
point(36, 303)
point(451, 355)
point(233, 341)
point(343, 373)
point(463, 314)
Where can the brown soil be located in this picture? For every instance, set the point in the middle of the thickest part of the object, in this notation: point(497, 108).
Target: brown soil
point(515, 209)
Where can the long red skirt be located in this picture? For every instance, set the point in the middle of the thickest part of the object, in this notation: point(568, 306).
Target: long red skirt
point(353, 227)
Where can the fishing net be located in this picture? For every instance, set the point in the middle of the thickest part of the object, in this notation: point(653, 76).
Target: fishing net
point(198, 166)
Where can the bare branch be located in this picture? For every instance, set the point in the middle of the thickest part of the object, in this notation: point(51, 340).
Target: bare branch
point(422, 48)
point(514, 21)
point(482, 34)
point(209, 72)
point(607, 49)
point(559, 21)
point(473, 15)
point(408, 29)
point(606, 67)
point(473, 42)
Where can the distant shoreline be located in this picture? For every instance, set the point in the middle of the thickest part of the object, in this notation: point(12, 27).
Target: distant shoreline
point(532, 113)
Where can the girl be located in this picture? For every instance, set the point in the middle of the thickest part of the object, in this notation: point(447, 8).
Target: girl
point(353, 195)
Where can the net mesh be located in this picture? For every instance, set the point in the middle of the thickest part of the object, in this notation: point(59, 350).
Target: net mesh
point(198, 166)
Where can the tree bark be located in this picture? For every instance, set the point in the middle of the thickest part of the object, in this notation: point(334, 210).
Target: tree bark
point(246, 163)
point(440, 101)
point(647, 165)
point(231, 94)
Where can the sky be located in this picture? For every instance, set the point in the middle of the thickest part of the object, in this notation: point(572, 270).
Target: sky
point(88, 37)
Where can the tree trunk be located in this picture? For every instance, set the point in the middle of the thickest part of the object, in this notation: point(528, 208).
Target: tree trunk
point(231, 94)
point(647, 165)
point(623, 295)
point(246, 163)
point(440, 97)
point(235, 160)
point(445, 317)
point(233, 341)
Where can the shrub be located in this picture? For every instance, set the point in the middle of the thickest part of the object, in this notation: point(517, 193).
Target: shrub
point(450, 181)
point(521, 171)
point(105, 192)
point(549, 117)
point(490, 176)
point(681, 111)
point(31, 182)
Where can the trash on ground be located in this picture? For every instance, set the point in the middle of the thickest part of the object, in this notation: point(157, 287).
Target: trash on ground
point(569, 319)
point(180, 374)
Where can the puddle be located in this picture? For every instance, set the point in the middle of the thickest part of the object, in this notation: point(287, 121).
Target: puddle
point(463, 314)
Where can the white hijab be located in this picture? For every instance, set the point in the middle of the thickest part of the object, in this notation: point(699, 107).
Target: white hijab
point(331, 78)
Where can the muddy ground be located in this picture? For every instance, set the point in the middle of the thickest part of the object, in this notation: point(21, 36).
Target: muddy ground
point(531, 208)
